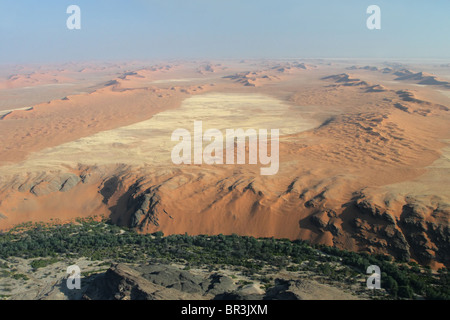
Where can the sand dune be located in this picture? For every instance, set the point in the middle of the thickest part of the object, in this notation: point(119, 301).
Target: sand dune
point(408, 75)
point(149, 141)
point(60, 121)
point(211, 68)
point(252, 79)
point(290, 67)
point(32, 79)
point(363, 165)
point(421, 78)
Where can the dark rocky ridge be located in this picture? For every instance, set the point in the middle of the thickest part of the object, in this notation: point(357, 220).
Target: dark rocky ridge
point(164, 282)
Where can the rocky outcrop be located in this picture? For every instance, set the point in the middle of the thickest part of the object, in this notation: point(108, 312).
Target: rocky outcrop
point(169, 277)
point(220, 284)
point(145, 209)
point(47, 185)
point(166, 282)
point(304, 290)
point(421, 232)
point(378, 230)
point(121, 282)
point(326, 221)
point(160, 282)
point(427, 239)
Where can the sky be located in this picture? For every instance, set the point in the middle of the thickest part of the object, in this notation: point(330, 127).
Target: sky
point(35, 31)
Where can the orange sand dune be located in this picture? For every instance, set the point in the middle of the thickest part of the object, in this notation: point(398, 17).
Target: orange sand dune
point(363, 160)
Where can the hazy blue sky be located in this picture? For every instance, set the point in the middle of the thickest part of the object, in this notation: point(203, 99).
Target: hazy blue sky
point(35, 31)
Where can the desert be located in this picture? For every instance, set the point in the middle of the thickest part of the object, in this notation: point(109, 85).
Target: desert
point(363, 150)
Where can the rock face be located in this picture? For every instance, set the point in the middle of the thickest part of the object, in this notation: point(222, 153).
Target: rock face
point(421, 232)
point(62, 183)
point(121, 282)
point(156, 282)
point(173, 278)
point(145, 209)
point(326, 221)
point(164, 282)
